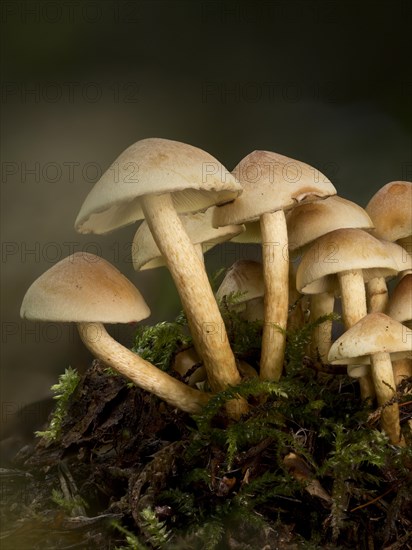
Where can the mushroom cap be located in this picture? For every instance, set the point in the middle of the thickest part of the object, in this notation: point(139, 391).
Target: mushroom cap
point(400, 303)
point(338, 251)
point(402, 258)
point(309, 221)
point(374, 333)
point(391, 210)
point(245, 276)
point(155, 166)
point(83, 288)
point(146, 254)
point(271, 182)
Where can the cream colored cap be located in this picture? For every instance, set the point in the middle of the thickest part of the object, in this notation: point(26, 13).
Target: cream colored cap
point(146, 254)
point(400, 303)
point(83, 288)
point(245, 276)
point(374, 333)
point(338, 251)
point(155, 166)
point(391, 210)
point(402, 258)
point(309, 221)
point(271, 182)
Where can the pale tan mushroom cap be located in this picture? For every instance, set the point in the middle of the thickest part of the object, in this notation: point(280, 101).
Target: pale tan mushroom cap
point(155, 166)
point(146, 254)
point(309, 221)
point(245, 276)
point(374, 333)
point(400, 303)
point(402, 258)
point(338, 251)
point(271, 182)
point(391, 210)
point(84, 288)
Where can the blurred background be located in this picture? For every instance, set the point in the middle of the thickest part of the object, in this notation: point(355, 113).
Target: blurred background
point(325, 82)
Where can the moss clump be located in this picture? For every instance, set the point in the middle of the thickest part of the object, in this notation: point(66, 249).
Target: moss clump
point(63, 390)
point(305, 468)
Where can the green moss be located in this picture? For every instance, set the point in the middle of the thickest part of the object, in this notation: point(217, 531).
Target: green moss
point(63, 390)
point(159, 343)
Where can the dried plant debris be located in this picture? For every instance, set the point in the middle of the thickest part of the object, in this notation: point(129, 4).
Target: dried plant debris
point(305, 468)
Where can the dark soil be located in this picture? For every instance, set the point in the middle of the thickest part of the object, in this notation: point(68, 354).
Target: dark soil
point(122, 451)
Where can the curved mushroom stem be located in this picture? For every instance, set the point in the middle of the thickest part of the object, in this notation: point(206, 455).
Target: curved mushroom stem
point(141, 372)
point(275, 257)
point(382, 375)
point(203, 315)
point(377, 295)
point(353, 294)
point(321, 304)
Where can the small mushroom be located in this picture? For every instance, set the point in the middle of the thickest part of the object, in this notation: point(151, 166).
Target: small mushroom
point(379, 337)
point(340, 262)
point(391, 212)
point(245, 278)
point(157, 179)
point(272, 183)
point(308, 222)
point(89, 291)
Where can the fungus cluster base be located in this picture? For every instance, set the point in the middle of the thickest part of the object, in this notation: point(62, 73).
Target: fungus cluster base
point(306, 468)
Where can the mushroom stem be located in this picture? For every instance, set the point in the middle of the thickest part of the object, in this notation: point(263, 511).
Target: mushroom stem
point(321, 304)
point(141, 372)
point(353, 294)
point(276, 274)
point(377, 294)
point(203, 315)
point(199, 251)
point(383, 379)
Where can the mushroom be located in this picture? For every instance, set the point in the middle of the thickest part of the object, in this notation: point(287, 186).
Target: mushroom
point(400, 309)
point(156, 179)
point(245, 278)
point(89, 291)
point(271, 184)
point(378, 336)
point(340, 262)
point(306, 223)
point(391, 212)
point(198, 226)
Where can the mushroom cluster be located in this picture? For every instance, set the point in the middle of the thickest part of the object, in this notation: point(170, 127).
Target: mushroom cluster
point(187, 202)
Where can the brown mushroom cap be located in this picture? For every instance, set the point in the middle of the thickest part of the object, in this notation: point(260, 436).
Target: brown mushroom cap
point(338, 251)
point(391, 210)
point(84, 288)
point(271, 182)
point(402, 258)
point(309, 221)
point(374, 333)
point(155, 166)
point(146, 254)
point(400, 303)
point(246, 277)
